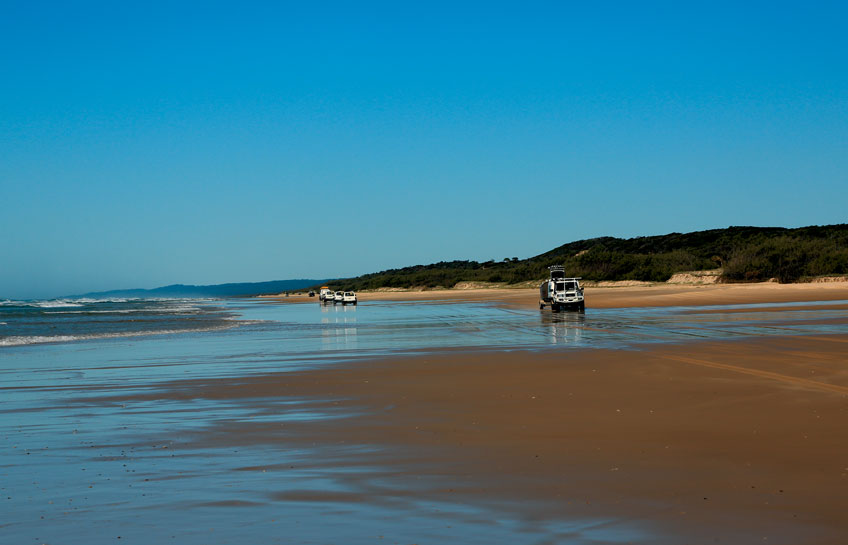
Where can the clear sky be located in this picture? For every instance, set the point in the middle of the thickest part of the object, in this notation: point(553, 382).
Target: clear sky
point(144, 144)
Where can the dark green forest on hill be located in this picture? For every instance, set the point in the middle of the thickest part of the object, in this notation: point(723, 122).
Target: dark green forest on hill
point(744, 254)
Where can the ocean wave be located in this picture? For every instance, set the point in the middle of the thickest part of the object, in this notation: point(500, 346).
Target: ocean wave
point(58, 303)
point(89, 301)
point(53, 303)
point(19, 341)
point(169, 305)
point(148, 310)
point(66, 302)
point(43, 339)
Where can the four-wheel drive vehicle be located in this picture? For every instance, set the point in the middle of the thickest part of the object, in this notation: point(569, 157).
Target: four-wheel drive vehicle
point(349, 298)
point(561, 292)
point(338, 297)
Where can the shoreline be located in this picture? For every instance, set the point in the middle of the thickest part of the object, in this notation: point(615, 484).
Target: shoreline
point(625, 296)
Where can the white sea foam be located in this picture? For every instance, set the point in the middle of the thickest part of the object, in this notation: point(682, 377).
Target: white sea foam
point(168, 306)
point(54, 303)
point(164, 310)
point(58, 303)
point(37, 339)
point(43, 339)
point(88, 301)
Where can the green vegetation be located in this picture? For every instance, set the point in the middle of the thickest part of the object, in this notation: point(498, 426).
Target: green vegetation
point(745, 254)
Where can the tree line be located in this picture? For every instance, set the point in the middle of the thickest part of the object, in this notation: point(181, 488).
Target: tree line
point(743, 254)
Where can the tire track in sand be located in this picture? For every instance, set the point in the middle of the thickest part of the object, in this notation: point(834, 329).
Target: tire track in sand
point(788, 379)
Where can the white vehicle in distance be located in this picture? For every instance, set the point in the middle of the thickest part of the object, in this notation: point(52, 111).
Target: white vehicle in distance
point(349, 298)
point(339, 297)
point(325, 295)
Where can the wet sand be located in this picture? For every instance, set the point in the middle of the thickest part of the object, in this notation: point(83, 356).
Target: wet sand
point(709, 442)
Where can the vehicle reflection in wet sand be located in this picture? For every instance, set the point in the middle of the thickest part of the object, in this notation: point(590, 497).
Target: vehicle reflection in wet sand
point(343, 335)
point(564, 327)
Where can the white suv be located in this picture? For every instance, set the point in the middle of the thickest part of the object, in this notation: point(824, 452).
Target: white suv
point(349, 297)
point(339, 297)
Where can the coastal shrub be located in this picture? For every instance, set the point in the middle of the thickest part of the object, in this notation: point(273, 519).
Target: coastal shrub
point(745, 254)
point(788, 259)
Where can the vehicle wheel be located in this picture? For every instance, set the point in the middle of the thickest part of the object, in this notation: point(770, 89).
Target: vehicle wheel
point(541, 306)
point(582, 307)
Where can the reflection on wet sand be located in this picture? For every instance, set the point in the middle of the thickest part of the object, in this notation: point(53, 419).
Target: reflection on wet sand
point(564, 327)
point(338, 338)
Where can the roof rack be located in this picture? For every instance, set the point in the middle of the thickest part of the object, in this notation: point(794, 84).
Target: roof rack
point(558, 273)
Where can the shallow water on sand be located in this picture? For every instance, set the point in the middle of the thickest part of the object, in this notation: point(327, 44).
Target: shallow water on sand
point(81, 463)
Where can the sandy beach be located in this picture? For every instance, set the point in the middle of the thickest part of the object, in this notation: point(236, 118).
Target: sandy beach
point(658, 416)
point(738, 441)
point(624, 296)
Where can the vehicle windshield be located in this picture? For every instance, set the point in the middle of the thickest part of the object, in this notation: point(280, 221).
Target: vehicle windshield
point(349, 293)
point(570, 286)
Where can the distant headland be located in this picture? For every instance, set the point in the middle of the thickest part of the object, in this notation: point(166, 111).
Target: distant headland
point(240, 289)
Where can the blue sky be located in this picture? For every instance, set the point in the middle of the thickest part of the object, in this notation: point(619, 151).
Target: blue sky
point(148, 144)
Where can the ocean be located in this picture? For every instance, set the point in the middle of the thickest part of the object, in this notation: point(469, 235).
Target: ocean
point(68, 320)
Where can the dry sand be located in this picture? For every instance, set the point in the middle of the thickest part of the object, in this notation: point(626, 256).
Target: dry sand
point(713, 442)
point(624, 296)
